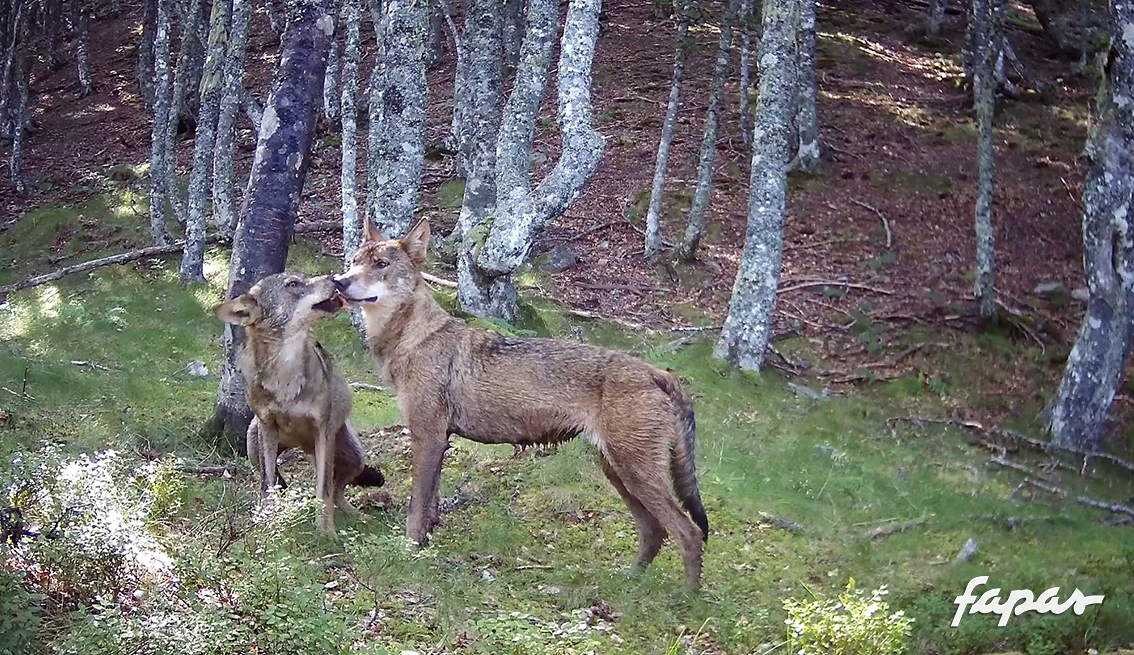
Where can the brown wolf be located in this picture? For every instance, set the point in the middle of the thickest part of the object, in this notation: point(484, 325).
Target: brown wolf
point(294, 388)
point(454, 379)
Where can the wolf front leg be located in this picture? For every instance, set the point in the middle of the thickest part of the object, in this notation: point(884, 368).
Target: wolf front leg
point(430, 440)
point(263, 449)
point(325, 480)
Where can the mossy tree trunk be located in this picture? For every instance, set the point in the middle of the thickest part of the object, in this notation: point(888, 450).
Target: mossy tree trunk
point(1098, 358)
point(695, 226)
point(520, 215)
point(212, 86)
point(224, 183)
point(283, 152)
point(986, 40)
point(653, 237)
point(145, 69)
point(808, 155)
point(744, 336)
point(159, 144)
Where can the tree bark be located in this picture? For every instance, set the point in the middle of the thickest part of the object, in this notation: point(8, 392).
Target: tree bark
point(512, 34)
point(745, 98)
point(181, 81)
point(8, 92)
point(1097, 360)
point(485, 85)
point(696, 221)
point(807, 157)
point(224, 185)
point(159, 179)
point(278, 172)
point(653, 237)
point(82, 53)
point(331, 86)
point(986, 25)
point(519, 216)
point(145, 70)
point(212, 84)
point(396, 147)
point(935, 17)
point(352, 228)
point(22, 111)
point(252, 108)
point(744, 336)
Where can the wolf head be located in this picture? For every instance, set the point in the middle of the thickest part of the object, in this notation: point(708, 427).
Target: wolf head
point(385, 271)
point(283, 303)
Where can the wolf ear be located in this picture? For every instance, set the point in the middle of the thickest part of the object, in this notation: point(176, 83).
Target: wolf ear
point(242, 310)
point(416, 243)
point(370, 231)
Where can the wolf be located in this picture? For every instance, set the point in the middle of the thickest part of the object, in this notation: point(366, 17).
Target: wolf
point(451, 378)
point(298, 396)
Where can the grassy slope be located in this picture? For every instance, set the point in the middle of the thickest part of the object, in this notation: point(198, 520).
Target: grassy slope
point(832, 466)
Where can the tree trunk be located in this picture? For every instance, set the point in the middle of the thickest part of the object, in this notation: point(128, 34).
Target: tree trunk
point(397, 116)
point(485, 85)
point(224, 185)
point(8, 92)
point(935, 17)
point(744, 336)
point(276, 182)
point(1096, 364)
point(159, 179)
point(696, 224)
point(145, 71)
point(807, 116)
point(745, 68)
point(273, 16)
point(986, 36)
point(459, 130)
point(1073, 25)
point(331, 86)
point(22, 111)
point(512, 34)
point(212, 83)
point(352, 228)
point(82, 54)
point(181, 80)
point(653, 238)
point(252, 108)
point(519, 216)
point(435, 46)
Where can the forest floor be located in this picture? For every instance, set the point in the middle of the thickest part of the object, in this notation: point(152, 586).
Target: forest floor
point(530, 558)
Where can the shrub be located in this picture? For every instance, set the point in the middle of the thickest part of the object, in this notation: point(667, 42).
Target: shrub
point(852, 624)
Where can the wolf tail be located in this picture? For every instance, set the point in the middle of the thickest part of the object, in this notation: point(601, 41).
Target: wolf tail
point(682, 464)
point(369, 477)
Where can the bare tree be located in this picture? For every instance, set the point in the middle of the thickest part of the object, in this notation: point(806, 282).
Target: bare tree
point(283, 153)
point(331, 85)
point(807, 157)
point(935, 17)
point(744, 337)
point(145, 69)
point(653, 227)
point(21, 72)
point(986, 26)
point(181, 81)
point(212, 85)
point(521, 215)
point(224, 191)
point(396, 144)
point(82, 54)
point(745, 98)
point(1098, 359)
point(352, 228)
point(483, 53)
point(159, 180)
point(696, 221)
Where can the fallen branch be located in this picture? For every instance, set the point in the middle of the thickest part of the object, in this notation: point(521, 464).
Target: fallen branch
point(885, 223)
point(895, 528)
point(782, 524)
point(230, 469)
point(1110, 507)
point(143, 253)
point(1019, 467)
point(439, 281)
point(834, 283)
point(366, 386)
point(1044, 446)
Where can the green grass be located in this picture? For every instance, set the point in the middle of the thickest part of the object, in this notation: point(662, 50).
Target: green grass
point(541, 537)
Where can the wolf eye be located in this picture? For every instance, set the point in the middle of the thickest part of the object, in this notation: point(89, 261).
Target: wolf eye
point(381, 264)
point(292, 284)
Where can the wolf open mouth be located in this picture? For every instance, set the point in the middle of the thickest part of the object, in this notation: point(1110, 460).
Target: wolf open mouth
point(331, 305)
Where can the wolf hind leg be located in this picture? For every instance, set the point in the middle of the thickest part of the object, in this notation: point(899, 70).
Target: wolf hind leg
point(651, 533)
point(651, 486)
